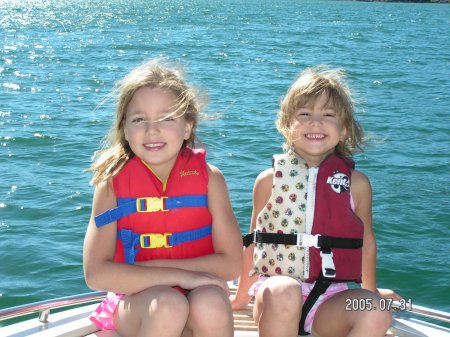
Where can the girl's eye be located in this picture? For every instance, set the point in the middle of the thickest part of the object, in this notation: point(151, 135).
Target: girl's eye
point(303, 114)
point(168, 119)
point(329, 113)
point(137, 120)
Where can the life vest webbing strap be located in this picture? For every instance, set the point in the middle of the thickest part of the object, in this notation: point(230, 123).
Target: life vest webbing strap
point(132, 242)
point(319, 288)
point(301, 239)
point(127, 206)
point(247, 239)
point(334, 242)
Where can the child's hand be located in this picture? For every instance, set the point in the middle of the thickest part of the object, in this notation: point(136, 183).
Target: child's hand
point(198, 279)
point(388, 293)
point(238, 304)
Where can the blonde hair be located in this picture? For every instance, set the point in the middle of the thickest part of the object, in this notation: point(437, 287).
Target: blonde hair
point(306, 89)
point(153, 74)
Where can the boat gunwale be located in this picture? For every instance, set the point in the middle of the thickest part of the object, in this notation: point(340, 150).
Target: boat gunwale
point(419, 310)
point(46, 305)
point(96, 296)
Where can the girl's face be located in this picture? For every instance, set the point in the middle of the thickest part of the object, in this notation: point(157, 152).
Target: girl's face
point(316, 130)
point(154, 135)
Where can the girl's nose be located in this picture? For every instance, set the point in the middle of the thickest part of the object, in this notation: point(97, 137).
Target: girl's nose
point(152, 126)
point(316, 119)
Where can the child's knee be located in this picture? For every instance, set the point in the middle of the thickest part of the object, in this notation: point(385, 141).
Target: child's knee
point(210, 305)
point(380, 319)
point(287, 300)
point(166, 302)
point(209, 298)
point(151, 311)
point(288, 296)
point(374, 320)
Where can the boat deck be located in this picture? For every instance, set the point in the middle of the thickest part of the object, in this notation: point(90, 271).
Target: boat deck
point(75, 323)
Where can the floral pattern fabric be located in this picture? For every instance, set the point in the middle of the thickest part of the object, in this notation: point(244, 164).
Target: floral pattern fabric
point(284, 213)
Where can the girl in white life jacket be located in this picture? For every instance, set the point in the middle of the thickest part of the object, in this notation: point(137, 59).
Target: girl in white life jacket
point(292, 217)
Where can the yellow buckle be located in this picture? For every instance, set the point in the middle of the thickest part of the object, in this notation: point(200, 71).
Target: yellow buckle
point(154, 204)
point(156, 240)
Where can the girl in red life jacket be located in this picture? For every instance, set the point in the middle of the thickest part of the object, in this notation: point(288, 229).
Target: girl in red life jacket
point(316, 120)
point(162, 238)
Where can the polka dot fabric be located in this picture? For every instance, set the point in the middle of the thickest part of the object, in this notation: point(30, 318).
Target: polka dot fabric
point(284, 213)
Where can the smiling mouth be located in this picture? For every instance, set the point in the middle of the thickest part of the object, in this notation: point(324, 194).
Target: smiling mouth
point(315, 136)
point(154, 146)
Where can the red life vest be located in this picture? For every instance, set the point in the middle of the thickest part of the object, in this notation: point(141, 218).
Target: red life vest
point(334, 217)
point(166, 221)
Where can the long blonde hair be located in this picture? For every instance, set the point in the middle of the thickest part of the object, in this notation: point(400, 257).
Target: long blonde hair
point(306, 89)
point(153, 74)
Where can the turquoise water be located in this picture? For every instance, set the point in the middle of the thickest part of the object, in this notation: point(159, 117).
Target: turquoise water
point(58, 63)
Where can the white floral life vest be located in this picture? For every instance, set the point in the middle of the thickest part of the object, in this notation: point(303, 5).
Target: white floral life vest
point(315, 203)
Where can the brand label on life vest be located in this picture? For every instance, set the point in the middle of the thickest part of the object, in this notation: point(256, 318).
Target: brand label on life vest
point(339, 182)
point(188, 173)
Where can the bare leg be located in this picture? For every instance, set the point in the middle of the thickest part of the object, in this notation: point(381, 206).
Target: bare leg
point(278, 306)
point(333, 320)
point(159, 311)
point(210, 313)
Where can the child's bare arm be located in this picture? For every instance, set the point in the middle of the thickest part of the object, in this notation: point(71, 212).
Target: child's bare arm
point(362, 196)
point(261, 194)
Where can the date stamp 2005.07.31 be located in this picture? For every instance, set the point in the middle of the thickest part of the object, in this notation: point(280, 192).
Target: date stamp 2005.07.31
point(384, 304)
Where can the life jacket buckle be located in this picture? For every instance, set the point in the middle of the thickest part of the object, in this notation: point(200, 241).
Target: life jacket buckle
point(151, 204)
point(308, 240)
point(155, 240)
point(328, 268)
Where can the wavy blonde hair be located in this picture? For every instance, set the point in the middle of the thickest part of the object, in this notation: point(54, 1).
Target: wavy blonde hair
point(153, 74)
point(306, 89)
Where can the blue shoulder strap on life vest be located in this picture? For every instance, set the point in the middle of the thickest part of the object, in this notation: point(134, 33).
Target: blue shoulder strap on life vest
point(132, 241)
point(127, 206)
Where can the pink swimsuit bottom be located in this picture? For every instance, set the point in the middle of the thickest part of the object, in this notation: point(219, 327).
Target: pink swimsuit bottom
point(103, 315)
point(332, 290)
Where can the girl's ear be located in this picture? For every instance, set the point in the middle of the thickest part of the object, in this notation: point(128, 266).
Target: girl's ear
point(344, 134)
point(125, 130)
point(188, 130)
